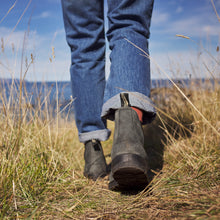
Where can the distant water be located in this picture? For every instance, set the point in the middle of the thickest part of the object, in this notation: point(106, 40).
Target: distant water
point(34, 93)
point(38, 94)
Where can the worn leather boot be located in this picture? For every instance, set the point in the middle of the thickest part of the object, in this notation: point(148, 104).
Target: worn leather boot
point(129, 160)
point(95, 164)
point(113, 185)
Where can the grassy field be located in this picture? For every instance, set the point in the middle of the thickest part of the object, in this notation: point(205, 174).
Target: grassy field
point(41, 164)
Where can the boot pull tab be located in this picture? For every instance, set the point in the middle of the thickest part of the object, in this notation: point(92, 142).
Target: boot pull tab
point(125, 100)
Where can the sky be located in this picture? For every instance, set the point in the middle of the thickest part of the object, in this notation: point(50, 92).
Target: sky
point(34, 30)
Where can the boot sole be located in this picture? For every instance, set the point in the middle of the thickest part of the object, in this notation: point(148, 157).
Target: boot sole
point(94, 177)
point(130, 171)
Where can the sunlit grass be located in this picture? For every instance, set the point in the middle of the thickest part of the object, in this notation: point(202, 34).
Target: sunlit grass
point(42, 164)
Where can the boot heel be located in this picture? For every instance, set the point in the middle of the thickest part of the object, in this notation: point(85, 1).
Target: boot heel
point(130, 171)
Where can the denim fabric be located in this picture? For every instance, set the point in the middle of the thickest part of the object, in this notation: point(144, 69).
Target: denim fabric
point(130, 72)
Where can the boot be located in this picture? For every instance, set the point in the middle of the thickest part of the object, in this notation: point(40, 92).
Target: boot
point(129, 160)
point(113, 185)
point(95, 164)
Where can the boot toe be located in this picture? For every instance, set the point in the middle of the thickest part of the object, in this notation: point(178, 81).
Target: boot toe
point(130, 171)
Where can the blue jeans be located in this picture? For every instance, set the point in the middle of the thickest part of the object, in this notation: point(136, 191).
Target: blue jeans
point(96, 98)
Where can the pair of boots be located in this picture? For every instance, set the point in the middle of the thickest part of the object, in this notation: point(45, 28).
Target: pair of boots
point(129, 160)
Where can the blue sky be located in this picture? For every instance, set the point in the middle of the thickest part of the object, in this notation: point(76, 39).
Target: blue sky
point(42, 26)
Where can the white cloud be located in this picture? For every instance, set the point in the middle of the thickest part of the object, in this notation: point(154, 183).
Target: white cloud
point(39, 46)
point(159, 18)
point(199, 21)
point(44, 14)
point(16, 38)
point(57, 70)
point(193, 26)
point(40, 70)
point(182, 64)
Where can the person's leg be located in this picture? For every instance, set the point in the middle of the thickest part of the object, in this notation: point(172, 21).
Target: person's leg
point(84, 26)
point(128, 86)
point(130, 71)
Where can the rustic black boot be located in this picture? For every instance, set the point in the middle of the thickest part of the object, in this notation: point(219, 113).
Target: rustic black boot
point(113, 185)
point(95, 164)
point(129, 160)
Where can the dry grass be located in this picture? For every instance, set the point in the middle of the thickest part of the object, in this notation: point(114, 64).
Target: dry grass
point(42, 166)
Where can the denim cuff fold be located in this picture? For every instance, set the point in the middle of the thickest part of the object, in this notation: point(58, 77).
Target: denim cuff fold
point(136, 99)
point(101, 135)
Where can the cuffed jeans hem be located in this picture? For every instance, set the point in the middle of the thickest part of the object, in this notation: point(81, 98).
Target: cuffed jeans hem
point(101, 135)
point(136, 100)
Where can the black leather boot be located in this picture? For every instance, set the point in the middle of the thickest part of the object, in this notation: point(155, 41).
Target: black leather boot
point(129, 159)
point(95, 164)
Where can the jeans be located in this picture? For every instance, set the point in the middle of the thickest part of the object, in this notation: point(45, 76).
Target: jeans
point(96, 98)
